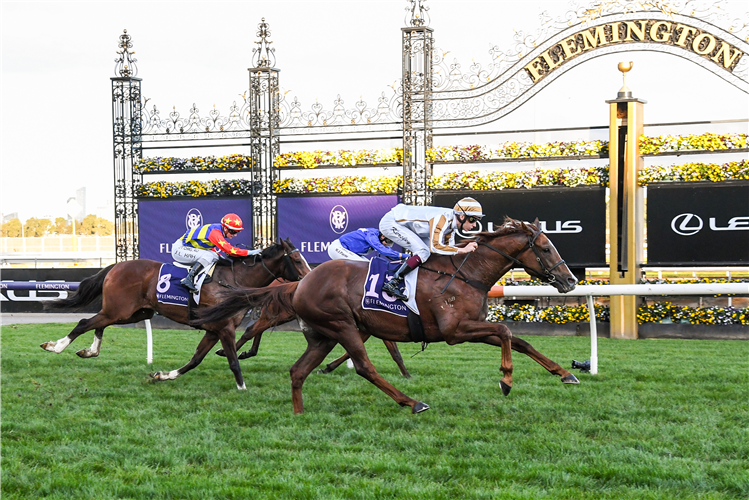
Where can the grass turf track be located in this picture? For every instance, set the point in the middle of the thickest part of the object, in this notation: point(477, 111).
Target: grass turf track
point(664, 419)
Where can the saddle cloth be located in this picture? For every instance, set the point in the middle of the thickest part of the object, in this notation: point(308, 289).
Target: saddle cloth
point(374, 299)
point(169, 290)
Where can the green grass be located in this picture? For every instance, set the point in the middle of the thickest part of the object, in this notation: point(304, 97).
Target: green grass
point(664, 419)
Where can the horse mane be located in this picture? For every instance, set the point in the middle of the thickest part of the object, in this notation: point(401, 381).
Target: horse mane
point(508, 227)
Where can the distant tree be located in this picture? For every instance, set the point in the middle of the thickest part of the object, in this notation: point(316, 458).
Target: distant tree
point(93, 225)
point(35, 228)
point(11, 229)
point(61, 226)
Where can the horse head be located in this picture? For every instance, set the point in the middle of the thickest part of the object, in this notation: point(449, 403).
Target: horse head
point(295, 260)
point(538, 256)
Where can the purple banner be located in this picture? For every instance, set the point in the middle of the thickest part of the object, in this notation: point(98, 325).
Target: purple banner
point(161, 222)
point(314, 222)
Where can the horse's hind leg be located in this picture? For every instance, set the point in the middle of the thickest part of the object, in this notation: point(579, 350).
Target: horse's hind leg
point(524, 347)
point(226, 335)
point(205, 345)
point(98, 323)
point(395, 353)
point(348, 336)
point(317, 348)
point(93, 351)
point(338, 362)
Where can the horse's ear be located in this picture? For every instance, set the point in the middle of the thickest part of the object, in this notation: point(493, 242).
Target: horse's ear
point(535, 222)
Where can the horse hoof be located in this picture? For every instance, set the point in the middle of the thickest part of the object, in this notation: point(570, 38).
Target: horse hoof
point(245, 355)
point(419, 407)
point(155, 375)
point(505, 388)
point(85, 353)
point(220, 352)
point(48, 346)
point(570, 379)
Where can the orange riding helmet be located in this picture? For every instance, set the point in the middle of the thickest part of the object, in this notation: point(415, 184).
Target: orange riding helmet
point(232, 222)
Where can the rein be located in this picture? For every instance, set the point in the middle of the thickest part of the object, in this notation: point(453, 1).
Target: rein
point(546, 276)
point(286, 256)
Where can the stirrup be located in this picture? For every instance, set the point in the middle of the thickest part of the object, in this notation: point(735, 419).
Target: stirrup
point(391, 288)
point(187, 283)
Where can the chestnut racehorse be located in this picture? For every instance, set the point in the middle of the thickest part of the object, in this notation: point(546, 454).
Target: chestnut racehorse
point(128, 293)
point(452, 299)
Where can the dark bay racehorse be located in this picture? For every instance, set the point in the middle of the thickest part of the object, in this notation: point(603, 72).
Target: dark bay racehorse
point(328, 303)
point(273, 315)
point(128, 293)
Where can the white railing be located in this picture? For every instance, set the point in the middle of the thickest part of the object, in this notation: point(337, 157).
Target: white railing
point(590, 291)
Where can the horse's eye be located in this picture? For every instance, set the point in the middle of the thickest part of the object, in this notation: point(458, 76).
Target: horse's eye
point(547, 250)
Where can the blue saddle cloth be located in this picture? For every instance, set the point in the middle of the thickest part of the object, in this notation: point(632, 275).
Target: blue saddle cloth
point(168, 289)
point(374, 299)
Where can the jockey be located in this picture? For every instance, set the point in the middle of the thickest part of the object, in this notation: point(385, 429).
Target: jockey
point(355, 245)
point(200, 246)
point(427, 230)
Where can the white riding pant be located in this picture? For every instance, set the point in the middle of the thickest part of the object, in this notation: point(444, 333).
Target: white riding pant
point(336, 251)
point(404, 237)
point(187, 254)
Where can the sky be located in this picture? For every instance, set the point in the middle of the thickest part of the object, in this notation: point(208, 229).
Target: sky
point(58, 58)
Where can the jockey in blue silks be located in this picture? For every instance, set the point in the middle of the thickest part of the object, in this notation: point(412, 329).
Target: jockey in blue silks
point(355, 245)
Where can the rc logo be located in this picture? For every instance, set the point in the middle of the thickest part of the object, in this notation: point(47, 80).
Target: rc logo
point(338, 219)
point(686, 224)
point(194, 219)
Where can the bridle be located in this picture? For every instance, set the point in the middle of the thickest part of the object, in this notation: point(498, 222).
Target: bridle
point(545, 275)
point(287, 259)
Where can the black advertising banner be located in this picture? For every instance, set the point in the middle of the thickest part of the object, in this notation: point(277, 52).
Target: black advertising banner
point(574, 219)
point(692, 223)
point(32, 301)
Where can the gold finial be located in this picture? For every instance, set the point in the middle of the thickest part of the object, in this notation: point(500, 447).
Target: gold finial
point(624, 92)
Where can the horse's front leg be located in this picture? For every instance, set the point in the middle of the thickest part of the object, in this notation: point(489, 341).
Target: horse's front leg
point(227, 336)
point(524, 347)
point(483, 331)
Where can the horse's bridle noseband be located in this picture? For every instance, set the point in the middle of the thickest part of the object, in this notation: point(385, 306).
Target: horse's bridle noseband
point(546, 275)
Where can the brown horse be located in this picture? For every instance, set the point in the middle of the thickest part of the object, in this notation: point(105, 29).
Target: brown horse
point(273, 315)
point(328, 303)
point(128, 292)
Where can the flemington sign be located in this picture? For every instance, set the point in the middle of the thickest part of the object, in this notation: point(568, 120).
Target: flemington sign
point(676, 34)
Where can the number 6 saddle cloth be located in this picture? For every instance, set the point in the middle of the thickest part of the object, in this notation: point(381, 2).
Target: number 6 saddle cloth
point(381, 271)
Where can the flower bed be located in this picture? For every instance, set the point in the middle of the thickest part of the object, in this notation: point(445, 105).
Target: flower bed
point(194, 164)
point(569, 177)
point(342, 185)
point(343, 157)
point(196, 189)
point(663, 312)
point(692, 172)
point(706, 142)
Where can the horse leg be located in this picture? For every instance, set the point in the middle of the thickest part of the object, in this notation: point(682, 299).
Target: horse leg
point(205, 345)
point(338, 362)
point(552, 367)
point(349, 337)
point(95, 348)
point(227, 335)
point(482, 331)
point(395, 353)
point(317, 348)
point(98, 323)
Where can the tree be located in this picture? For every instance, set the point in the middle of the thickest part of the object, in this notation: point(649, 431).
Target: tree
point(61, 226)
point(93, 225)
point(36, 227)
point(11, 229)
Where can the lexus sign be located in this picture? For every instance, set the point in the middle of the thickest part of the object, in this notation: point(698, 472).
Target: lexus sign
point(574, 219)
point(698, 223)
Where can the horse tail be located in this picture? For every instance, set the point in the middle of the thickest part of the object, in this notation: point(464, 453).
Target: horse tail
point(274, 300)
point(88, 291)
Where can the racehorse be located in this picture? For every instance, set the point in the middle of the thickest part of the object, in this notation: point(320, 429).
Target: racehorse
point(273, 315)
point(128, 292)
point(452, 300)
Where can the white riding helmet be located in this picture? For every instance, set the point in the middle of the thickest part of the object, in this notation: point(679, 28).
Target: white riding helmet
point(468, 206)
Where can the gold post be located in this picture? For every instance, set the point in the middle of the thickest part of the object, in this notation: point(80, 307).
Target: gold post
point(626, 205)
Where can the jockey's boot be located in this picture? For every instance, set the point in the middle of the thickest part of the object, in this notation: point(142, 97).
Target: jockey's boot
point(392, 287)
point(189, 280)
